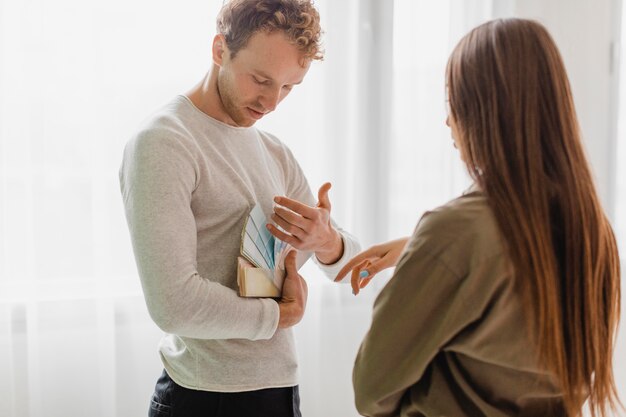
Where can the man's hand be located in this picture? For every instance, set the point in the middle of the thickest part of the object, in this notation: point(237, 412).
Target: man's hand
point(308, 228)
point(371, 261)
point(295, 292)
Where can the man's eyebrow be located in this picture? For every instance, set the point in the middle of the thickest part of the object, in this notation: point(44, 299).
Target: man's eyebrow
point(264, 75)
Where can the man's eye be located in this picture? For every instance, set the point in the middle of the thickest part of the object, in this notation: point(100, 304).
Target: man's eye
point(260, 82)
point(288, 87)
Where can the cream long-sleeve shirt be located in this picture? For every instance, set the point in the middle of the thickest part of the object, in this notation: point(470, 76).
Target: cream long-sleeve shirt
point(449, 336)
point(188, 182)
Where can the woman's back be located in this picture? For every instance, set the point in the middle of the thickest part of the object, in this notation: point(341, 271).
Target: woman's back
point(455, 316)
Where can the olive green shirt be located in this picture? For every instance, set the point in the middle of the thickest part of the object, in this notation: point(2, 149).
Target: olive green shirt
point(449, 336)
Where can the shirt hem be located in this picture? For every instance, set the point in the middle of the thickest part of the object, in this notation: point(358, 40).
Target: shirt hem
point(231, 388)
point(235, 388)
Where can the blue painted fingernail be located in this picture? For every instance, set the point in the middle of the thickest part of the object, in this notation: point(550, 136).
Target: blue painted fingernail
point(364, 274)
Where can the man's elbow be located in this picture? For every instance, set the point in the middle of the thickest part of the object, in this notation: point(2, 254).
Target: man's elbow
point(164, 316)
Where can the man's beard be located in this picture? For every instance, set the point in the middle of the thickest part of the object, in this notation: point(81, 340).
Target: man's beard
point(227, 98)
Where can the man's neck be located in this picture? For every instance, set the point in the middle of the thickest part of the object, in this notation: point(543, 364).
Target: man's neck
point(205, 96)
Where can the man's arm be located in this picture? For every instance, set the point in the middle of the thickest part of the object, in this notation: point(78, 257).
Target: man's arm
point(157, 179)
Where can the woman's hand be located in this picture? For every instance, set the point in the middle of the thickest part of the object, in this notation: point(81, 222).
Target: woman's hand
point(368, 263)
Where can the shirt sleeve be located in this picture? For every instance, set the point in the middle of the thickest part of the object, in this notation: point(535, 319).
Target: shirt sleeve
point(351, 248)
point(157, 179)
point(415, 315)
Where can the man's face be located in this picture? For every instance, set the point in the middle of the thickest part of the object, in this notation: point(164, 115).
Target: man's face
point(260, 76)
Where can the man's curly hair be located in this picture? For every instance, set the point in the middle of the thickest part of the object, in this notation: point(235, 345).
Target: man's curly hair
point(298, 19)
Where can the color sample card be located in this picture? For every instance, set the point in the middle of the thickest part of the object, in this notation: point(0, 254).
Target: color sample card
point(264, 251)
point(258, 242)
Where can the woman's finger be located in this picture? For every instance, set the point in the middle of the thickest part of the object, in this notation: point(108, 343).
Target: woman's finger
point(352, 263)
point(366, 281)
point(357, 276)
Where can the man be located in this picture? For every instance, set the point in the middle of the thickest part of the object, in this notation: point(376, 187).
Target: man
point(189, 179)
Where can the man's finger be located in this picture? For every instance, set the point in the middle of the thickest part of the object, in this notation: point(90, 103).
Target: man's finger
point(291, 217)
point(288, 227)
point(296, 206)
point(290, 264)
point(323, 200)
point(280, 235)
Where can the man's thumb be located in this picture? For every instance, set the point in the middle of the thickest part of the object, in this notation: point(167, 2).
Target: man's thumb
point(322, 196)
point(290, 263)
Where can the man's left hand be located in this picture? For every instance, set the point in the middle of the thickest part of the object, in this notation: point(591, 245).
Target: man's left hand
point(308, 228)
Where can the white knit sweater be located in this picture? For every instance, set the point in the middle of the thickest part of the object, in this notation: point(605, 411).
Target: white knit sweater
point(188, 182)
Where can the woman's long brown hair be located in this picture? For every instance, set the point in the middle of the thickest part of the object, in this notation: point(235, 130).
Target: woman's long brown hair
point(511, 102)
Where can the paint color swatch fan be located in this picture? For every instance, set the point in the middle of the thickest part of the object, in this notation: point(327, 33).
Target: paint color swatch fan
point(261, 266)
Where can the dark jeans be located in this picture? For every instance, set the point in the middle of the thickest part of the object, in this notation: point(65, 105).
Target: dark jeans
point(172, 400)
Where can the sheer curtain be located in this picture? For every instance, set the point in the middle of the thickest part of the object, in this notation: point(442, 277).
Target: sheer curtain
point(377, 131)
point(77, 78)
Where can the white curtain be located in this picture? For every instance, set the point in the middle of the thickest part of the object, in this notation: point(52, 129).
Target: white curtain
point(77, 78)
point(371, 119)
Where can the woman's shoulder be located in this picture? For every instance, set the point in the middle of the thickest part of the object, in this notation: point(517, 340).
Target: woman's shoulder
point(460, 216)
point(464, 228)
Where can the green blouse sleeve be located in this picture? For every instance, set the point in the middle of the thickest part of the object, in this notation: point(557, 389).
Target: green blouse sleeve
point(416, 314)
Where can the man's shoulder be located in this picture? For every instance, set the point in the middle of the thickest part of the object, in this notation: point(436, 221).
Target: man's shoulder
point(167, 117)
point(165, 125)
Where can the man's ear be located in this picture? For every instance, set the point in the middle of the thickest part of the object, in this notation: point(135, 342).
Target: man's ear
point(219, 49)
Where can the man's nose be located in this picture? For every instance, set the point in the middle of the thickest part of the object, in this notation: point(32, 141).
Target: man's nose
point(270, 99)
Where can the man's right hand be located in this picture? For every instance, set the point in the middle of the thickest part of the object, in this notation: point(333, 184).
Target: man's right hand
point(295, 291)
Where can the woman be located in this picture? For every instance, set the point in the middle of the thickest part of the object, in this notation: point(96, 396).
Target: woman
point(505, 301)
